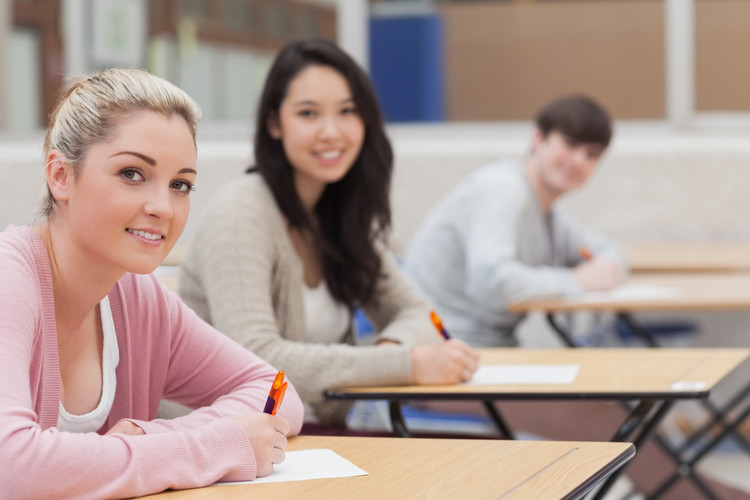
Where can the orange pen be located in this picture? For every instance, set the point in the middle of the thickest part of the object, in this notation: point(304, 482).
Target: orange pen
point(585, 253)
point(439, 325)
point(279, 398)
point(273, 395)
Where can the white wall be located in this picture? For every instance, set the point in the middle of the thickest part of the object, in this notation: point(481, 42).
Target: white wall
point(652, 185)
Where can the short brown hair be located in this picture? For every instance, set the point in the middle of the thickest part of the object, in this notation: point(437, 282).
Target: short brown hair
point(578, 117)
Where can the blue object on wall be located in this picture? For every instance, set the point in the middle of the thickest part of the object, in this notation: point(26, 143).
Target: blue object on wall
point(406, 66)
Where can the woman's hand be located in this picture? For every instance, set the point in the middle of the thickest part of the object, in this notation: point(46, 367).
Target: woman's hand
point(267, 435)
point(448, 362)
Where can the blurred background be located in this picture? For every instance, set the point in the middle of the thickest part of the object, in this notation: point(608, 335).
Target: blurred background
point(435, 60)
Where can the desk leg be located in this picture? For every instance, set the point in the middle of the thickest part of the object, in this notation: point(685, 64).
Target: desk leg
point(498, 419)
point(685, 468)
point(719, 418)
point(639, 416)
point(397, 419)
point(561, 332)
point(634, 419)
point(637, 329)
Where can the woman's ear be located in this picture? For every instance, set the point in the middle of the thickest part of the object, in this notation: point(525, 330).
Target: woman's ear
point(59, 176)
point(273, 126)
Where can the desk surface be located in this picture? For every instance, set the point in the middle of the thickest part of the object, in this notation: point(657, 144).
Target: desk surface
point(686, 292)
point(603, 374)
point(441, 468)
point(688, 257)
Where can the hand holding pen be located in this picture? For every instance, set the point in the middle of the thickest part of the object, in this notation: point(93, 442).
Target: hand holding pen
point(448, 362)
point(266, 431)
point(595, 273)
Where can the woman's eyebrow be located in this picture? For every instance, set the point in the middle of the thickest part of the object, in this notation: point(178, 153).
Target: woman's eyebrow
point(143, 157)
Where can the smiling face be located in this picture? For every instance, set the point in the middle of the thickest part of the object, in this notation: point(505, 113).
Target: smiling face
point(320, 129)
point(128, 202)
point(559, 164)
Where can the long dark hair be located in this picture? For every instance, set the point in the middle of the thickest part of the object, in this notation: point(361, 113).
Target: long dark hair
point(353, 212)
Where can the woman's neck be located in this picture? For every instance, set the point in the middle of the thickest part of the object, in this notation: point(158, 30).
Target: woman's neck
point(309, 192)
point(79, 282)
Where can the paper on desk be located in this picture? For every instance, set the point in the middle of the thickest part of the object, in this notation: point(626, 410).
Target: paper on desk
point(524, 374)
point(307, 464)
point(629, 292)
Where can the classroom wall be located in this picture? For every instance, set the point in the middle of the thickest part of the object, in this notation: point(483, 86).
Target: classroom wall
point(504, 58)
point(652, 185)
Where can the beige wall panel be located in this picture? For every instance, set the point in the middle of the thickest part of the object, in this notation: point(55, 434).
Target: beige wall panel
point(504, 60)
point(722, 47)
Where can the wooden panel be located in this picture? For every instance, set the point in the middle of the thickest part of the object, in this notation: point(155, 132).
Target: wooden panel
point(722, 44)
point(503, 61)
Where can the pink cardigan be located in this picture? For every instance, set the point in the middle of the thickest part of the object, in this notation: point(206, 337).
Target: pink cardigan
point(166, 351)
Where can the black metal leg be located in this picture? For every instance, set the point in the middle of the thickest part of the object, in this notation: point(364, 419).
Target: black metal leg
point(498, 419)
point(719, 418)
point(397, 419)
point(634, 419)
point(648, 426)
point(561, 332)
point(685, 467)
point(642, 333)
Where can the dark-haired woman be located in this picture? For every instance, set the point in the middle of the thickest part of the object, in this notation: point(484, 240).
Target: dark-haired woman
point(284, 255)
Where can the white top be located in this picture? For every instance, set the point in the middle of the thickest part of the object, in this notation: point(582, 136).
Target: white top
point(94, 420)
point(327, 320)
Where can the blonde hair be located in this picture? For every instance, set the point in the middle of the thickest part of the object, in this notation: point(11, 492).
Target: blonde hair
point(89, 110)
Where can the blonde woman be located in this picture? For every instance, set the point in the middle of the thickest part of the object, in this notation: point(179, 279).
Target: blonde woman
point(91, 342)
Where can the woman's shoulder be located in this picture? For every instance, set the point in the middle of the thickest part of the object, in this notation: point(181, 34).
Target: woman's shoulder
point(25, 273)
point(245, 195)
point(247, 188)
point(22, 247)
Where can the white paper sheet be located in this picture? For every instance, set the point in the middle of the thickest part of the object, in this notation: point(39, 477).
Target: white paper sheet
point(629, 292)
point(524, 374)
point(307, 464)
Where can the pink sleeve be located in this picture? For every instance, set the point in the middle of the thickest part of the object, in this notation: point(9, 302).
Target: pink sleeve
point(214, 374)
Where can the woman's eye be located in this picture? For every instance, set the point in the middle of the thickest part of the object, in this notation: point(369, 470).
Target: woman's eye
point(182, 186)
point(131, 175)
point(307, 113)
point(349, 111)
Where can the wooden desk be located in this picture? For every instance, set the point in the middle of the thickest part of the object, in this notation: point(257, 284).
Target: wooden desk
point(710, 291)
point(688, 257)
point(603, 374)
point(692, 292)
point(644, 375)
point(441, 468)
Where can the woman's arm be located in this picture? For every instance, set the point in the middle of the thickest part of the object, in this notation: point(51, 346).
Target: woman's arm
point(38, 461)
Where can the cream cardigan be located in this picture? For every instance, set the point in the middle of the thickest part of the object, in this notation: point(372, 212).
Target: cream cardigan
point(242, 275)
